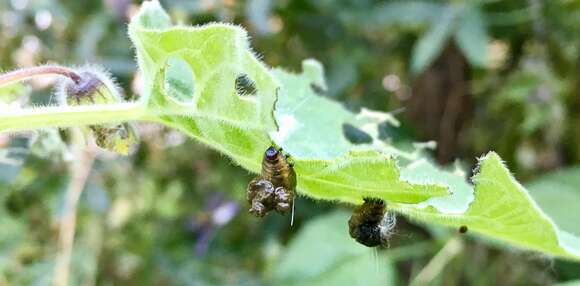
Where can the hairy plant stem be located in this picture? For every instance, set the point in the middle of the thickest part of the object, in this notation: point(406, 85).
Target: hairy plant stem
point(80, 169)
point(25, 73)
point(62, 116)
point(68, 116)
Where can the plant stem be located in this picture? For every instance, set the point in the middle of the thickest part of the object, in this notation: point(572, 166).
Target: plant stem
point(80, 169)
point(67, 116)
point(24, 73)
point(453, 247)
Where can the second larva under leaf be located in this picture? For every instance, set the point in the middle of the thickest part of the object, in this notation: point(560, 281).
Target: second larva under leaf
point(371, 224)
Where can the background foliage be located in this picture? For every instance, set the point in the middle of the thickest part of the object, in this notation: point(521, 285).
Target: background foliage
point(474, 76)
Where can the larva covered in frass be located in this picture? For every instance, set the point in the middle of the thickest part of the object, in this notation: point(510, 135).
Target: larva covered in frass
point(274, 189)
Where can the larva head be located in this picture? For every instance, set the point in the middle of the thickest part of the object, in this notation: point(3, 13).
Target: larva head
point(372, 210)
point(271, 153)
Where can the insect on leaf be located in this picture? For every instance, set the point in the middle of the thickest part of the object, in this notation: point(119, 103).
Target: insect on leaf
point(287, 108)
point(332, 260)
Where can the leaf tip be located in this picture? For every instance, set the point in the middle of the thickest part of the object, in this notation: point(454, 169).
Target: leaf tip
point(151, 16)
point(489, 158)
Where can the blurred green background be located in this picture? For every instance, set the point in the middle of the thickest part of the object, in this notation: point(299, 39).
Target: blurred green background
point(472, 75)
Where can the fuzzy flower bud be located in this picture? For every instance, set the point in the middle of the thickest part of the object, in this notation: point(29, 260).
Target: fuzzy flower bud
point(94, 86)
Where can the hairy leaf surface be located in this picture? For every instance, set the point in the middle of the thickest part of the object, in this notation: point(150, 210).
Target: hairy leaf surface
point(213, 57)
point(338, 154)
point(206, 82)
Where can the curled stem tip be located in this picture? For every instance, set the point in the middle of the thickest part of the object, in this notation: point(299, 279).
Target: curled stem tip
point(25, 73)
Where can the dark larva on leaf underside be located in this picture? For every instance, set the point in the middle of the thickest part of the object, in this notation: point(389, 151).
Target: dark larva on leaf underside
point(371, 224)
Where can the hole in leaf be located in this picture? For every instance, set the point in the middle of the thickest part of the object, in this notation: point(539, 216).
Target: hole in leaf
point(389, 132)
point(245, 85)
point(179, 80)
point(352, 107)
point(317, 89)
point(355, 135)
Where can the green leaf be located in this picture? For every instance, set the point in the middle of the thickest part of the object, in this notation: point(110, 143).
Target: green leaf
point(424, 172)
point(328, 165)
point(568, 283)
point(152, 16)
point(330, 162)
point(11, 92)
point(213, 57)
point(557, 194)
point(338, 155)
point(520, 95)
point(471, 35)
point(241, 125)
point(502, 209)
point(322, 253)
point(404, 13)
point(178, 83)
point(433, 41)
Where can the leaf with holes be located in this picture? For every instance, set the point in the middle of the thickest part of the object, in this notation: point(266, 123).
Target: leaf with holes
point(497, 207)
point(338, 154)
point(206, 82)
point(330, 165)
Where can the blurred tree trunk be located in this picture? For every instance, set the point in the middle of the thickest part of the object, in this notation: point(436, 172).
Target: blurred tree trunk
point(440, 103)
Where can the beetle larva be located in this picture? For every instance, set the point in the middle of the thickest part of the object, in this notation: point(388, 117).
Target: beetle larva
point(371, 224)
point(276, 169)
point(274, 189)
